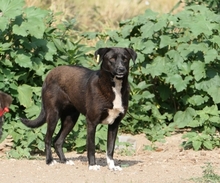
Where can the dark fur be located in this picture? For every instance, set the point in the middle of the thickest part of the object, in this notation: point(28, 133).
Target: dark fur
point(70, 90)
point(5, 101)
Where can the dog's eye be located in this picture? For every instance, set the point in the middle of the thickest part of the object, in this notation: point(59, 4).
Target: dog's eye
point(111, 60)
point(125, 60)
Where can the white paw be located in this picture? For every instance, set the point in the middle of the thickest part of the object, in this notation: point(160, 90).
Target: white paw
point(94, 167)
point(70, 162)
point(115, 168)
point(53, 163)
point(111, 165)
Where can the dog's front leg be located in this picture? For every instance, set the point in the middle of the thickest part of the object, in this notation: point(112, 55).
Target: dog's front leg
point(112, 134)
point(91, 129)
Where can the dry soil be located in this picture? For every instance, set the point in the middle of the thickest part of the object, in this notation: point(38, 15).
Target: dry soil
point(169, 164)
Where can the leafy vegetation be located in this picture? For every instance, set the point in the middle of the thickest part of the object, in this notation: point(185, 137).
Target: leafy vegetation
point(209, 175)
point(175, 82)
point(31, 46)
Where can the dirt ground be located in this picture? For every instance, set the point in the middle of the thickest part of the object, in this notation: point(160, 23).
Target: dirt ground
point(170, 164)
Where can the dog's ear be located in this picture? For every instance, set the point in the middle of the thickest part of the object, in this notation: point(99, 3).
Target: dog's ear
point(132, 53)
point(5, 100)
point(100, 53)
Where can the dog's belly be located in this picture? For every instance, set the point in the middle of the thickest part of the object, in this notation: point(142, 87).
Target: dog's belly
point(117, 104)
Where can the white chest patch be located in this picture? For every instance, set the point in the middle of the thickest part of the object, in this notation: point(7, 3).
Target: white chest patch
point(117, 104)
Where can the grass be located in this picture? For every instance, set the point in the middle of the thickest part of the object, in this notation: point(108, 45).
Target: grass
point(101, 15)
point(209, 175)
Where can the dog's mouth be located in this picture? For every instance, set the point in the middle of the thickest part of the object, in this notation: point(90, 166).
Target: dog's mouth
point(119, 76)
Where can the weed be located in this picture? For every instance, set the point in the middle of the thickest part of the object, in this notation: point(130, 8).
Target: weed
point(126, 149)
point(209, 175)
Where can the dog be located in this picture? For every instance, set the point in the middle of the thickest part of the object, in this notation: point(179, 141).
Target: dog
point(102, 96)
point(5, 102)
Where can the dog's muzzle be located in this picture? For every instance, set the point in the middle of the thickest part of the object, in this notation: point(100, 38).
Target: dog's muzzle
point(120, 72)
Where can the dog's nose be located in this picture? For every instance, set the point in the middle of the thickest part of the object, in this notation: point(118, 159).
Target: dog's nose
point(121, 69)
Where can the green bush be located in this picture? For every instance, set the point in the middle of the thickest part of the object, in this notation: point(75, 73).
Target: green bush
point(31, 44)
point(175, 82)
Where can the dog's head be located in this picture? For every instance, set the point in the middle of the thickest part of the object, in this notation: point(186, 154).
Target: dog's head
point(5, 102)
point(115, 60)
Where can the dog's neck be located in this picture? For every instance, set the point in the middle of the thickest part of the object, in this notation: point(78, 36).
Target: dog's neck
point(108, 77)
point(110, 82)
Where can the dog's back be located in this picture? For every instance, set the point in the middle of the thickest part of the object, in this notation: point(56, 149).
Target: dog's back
point(71, 80)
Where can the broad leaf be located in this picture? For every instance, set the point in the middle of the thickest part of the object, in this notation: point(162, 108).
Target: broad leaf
point(214, 92)
point(196, 144)
point(11, 8)
point(25, 94)
point(23, 60)
point(198, 69)
point(182, 118)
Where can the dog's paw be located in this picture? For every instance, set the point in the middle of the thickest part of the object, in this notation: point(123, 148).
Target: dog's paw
point(70, 162)
point(111, 165)
point(53, 163)
point(115, 168)
point(94, 167)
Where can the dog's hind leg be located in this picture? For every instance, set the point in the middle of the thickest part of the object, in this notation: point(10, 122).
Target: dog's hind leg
point(52, 120)
point(68, 121)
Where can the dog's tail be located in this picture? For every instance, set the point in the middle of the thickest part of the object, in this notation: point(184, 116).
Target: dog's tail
point(39, 121)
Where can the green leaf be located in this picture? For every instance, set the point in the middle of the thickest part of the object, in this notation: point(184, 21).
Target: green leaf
point(197, 100)
point(183, 118)
point(177, 81)
point(206, 85)
point(196, 144)
point(198, 69)
point(166, 40)
point(59, 45)
point(35, 27)
point(51, 51)
point(149, 48)
point(123, 43)
point(156, 68)
point(190, 135)
point(20, 30)
point(11, 8)
point(201, 26)
point(214, 92)
point(126, 30)
point(14, 153)
point(147, 30)
point(80, 143)
point(215, 39)
point(41, 145)
point(25, 94)
point(175, 55)
point(32, 111)
point(16, 136)
point(210, 55)
point(23, 60)
point(211, 110)
point(3, 23)
point(194, 124)
point(208, 144)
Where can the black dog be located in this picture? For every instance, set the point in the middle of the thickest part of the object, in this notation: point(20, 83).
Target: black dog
point(5, 102)
point(102, 96)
